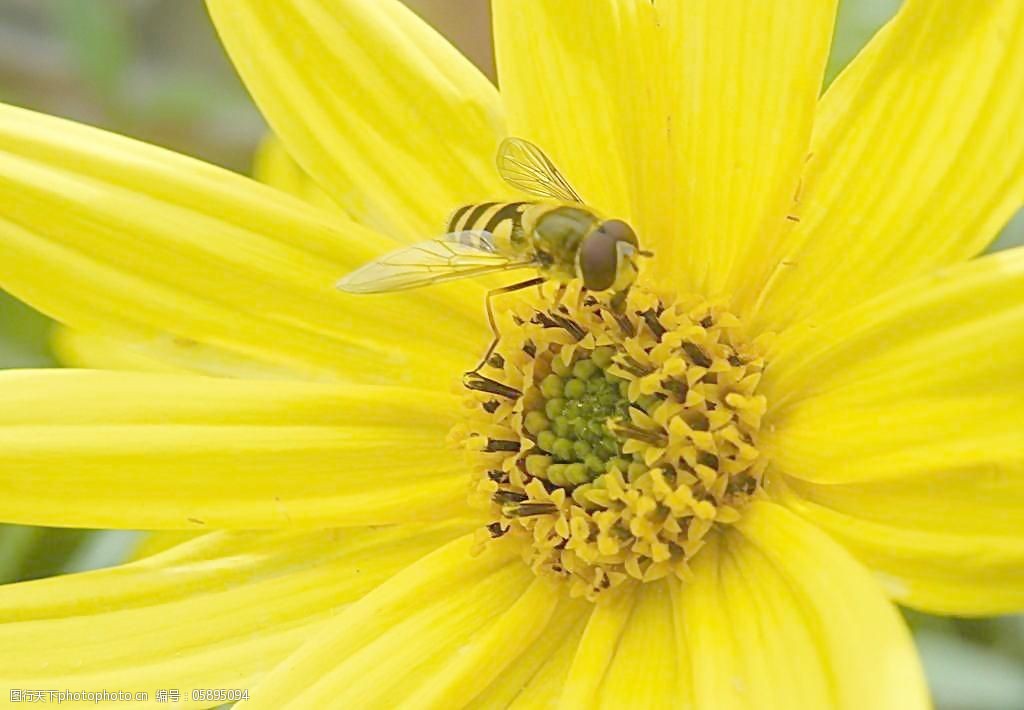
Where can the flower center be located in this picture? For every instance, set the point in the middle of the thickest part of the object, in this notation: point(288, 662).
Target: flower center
point(608, 442)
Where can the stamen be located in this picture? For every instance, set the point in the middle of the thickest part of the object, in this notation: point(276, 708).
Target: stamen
point(501, 445)
point(698, 357)
point(503, 497)
point(497, 475)
point(479, 383)
point(628, 433)
point(627, 327)
point(651, 319)
point(525, 510)
point(571, 327)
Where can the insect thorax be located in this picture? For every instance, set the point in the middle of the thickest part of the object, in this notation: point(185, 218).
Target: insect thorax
point(556, 234)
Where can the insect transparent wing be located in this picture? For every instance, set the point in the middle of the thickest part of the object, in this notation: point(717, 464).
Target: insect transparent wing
point(458, 255)
point(525, 167)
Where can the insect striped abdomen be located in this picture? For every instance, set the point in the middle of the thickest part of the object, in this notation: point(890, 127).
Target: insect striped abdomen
point(501, 219)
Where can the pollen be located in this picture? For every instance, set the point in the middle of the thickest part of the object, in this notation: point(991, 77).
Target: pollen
point(608, 441)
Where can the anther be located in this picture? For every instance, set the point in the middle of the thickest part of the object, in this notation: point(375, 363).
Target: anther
point(497, 475)
point(706, 459)
point(477, 382)
point(677, 387)
point(570, 326)
point(630, 431)
point(494, 445)
point(625, 324)
point(634, 368)
point(651, 319)
point(527, 510)
point(696, 354)
point(554, 320)
point(504, 497)
point(497, 530)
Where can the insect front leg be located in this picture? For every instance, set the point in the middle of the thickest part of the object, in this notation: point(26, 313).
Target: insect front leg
point(560, 294)
point(493, 323)
point(618, 302)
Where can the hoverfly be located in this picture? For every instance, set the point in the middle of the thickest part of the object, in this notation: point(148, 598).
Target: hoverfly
point(559, 236)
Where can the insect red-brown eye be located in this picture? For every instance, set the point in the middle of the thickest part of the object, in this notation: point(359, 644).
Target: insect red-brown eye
point(621, 231)
point(599, 260)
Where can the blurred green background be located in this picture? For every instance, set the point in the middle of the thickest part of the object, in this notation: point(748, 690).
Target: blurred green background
point(153, 69)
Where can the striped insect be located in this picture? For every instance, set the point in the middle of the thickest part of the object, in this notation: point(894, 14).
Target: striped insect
point(558, 235)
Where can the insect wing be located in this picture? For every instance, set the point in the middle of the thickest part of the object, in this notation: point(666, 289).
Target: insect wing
point(458, 255)
point(525, 167)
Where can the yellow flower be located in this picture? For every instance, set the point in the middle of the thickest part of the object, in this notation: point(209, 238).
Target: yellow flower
point(874, 436)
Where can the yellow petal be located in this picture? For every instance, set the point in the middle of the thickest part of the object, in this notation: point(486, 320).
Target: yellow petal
point(746, 82)
point(921, 380)
point(273, 166)
point(945, 544)
point(156, 542)
point(395, 124)
point(113, 236)
point(543, 688)
point(597, 647)
point(484, 658)
point(918, 159)
point(645, 669)
point(536, 677)
point(397, 637)
point(75, 348)
point(150, 451)
point(691, 119)
point(90, 350)
point(217, 612)
point(780, 616)
point(899, 430)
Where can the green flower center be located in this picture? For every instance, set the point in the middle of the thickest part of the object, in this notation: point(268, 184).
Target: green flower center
point(571, 425)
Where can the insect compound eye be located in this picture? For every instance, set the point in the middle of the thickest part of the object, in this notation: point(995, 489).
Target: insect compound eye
point(599, 260)
point(601, 253)
point(621, 231)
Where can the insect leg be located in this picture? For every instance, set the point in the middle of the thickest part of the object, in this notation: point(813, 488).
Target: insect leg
point(618, 302)
point(560, 294)
point(493, 324)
